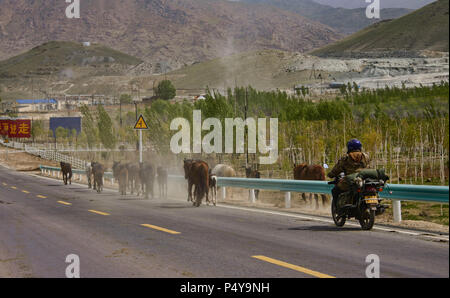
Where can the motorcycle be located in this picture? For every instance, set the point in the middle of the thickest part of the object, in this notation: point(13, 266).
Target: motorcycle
point(362, 202)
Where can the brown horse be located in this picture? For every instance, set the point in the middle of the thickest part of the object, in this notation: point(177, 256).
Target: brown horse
point(162, 182)
point(147, 178)
point(134, 178)
point(197, 173)
point(66, 169)
point(98, 170)
point(311, 172)
point(120, 173)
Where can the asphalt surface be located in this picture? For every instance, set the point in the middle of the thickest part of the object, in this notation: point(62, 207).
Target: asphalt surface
point(43, 221)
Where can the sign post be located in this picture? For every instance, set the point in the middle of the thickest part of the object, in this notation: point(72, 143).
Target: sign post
point(140, 125)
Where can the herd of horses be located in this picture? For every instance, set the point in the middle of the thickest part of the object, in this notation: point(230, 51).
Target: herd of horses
point(138, 178)
point(134, 178)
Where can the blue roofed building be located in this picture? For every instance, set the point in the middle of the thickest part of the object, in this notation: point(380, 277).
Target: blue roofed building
point(36, 105)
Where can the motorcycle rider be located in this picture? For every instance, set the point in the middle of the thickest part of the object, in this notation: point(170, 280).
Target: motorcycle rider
point(348, 164)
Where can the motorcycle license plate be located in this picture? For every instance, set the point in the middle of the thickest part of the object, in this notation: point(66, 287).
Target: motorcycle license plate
point(371, 200)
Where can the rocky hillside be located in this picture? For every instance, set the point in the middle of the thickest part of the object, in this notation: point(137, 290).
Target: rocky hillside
point(424, 29)
point(170, 32)
point(67, 59)
point(411, 4)
point(343, 20)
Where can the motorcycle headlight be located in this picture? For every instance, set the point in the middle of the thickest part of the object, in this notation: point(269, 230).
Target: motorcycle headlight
point(359, 182)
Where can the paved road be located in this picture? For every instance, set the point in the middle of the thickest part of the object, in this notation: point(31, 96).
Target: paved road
point(42, 221)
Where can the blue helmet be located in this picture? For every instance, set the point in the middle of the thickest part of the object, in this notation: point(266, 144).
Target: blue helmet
point(354, 145)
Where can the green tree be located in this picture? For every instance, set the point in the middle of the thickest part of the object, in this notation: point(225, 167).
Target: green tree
point(37, 129)
point(88, 125)
point(165, 90)
point(125, 99)
point(61, 134)
point(105, 128)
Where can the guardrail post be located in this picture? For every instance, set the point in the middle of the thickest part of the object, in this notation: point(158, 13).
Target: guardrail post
point(397, 210)
point(252, 196)
point(224, 192)
point(287, 200)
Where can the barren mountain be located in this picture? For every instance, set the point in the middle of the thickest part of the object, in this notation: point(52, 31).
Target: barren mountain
point(343, 20)
point(426, 29)
point(172, 32)
point(411, 4)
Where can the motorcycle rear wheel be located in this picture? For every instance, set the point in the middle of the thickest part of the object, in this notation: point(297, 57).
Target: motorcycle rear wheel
point(339, 220)
point(367, 219)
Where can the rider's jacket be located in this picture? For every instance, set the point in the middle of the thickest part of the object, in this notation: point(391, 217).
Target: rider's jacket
point(350, 163)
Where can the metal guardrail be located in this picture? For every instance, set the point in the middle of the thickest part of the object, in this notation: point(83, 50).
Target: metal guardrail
point(403, 192)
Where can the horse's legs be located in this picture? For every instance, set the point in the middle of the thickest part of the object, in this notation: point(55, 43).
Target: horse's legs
point(316, 197)
point(190, 191)
point(304, 196)
point(324, 199)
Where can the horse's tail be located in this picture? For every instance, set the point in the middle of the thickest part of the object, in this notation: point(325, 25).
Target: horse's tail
point(70, 173)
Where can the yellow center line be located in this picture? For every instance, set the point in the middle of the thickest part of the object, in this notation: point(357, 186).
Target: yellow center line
point(13, 187)
point(25, 191)
point(42, 197)
point(160, 229)
point(98, 212)
point(64, 203)
point(293, 267)
point(4, 184)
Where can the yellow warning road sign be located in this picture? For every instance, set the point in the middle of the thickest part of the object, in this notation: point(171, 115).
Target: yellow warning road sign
point(141, 124)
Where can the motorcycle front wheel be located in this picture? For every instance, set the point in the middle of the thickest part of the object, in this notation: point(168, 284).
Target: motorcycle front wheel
point(339, 220)
point(367, 219)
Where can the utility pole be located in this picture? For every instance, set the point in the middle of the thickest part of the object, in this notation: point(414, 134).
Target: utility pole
point(120, 111)
point(246, 132)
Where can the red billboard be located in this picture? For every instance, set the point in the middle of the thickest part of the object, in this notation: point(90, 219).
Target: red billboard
point(18, 128)
point(4, 127)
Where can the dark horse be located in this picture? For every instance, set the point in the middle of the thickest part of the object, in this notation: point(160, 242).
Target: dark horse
point(147, 178)
point(197, 173)
point(97, 171)
point(120, 172)
point(311, 172)
point(250, 173)
point(134, 178)
point(66, 169)
point(162, 182)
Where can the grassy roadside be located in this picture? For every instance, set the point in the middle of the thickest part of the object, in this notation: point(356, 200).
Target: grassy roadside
point(432, 212)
